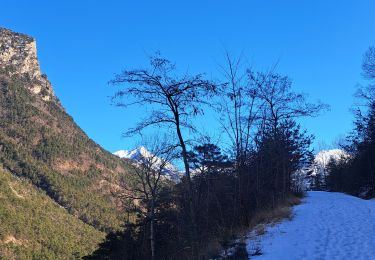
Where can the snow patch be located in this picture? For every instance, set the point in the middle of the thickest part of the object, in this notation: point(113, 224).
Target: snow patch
point(326, 226)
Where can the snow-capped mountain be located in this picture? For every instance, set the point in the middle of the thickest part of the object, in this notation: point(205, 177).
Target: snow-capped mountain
point(318, 171)
point(170, 171)
point(323, 158)
point(313, 176)
point(135, 154)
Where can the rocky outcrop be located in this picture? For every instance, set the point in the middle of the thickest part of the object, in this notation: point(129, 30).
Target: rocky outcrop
point(18, 56)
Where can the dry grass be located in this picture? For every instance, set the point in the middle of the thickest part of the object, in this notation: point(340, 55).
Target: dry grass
point(16, 193)
point(273, 216)
point(14, 241)
point(258, 224)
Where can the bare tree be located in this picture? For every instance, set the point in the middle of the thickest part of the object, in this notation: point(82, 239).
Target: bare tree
point(239, 111)
point(279, 102)
point(366, 94)
point(368, 64)
point(238, 107)
point(151, 170)
point(174, 101)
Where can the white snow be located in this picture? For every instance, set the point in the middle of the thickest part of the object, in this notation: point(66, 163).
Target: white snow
point(323, 158)
point(308, 173)
point(325, 226)
point(135, 154)
point(170, 171)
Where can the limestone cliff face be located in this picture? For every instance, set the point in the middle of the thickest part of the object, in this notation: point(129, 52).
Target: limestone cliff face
point(18, 56)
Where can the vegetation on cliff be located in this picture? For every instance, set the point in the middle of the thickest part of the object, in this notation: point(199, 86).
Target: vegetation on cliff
point(33, 226)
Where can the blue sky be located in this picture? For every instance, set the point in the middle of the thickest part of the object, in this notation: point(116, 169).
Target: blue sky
point(82, 44)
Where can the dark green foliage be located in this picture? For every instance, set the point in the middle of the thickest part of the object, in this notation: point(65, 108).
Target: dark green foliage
point(50, 147)
point(70, 191)
point(41, 229)
point(41, 143)
point(281, 153)
point(222, 211)
point(356, 175)
point(119, 245)
point(133, 243)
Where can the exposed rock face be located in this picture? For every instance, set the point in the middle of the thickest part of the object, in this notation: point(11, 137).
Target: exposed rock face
point(18, 56)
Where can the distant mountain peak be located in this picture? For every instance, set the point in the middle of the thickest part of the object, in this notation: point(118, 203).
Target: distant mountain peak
point(316, 173)
point(140, 153)
point(323, 157)
point(135, 154)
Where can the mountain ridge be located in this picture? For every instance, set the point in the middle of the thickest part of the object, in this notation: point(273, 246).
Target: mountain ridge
point(41, 144)
point(170, 171)
point(313, 176)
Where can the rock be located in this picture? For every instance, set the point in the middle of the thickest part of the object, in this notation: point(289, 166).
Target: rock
point(18, 56)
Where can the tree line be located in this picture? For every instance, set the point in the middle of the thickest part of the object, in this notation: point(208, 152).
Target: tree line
point(223, 186)
point(356, 174)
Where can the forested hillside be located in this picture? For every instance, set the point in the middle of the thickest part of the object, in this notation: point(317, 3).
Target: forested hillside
point(39, 141)
point(33, 226)
point(41, 145)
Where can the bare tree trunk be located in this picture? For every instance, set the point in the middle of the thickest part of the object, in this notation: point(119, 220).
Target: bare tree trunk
point(152, 229)
point(194, 228)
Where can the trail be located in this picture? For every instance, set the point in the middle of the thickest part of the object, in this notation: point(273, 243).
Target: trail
point(325, 226)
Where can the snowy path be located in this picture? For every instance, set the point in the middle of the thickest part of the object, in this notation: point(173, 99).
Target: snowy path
point(325, 226)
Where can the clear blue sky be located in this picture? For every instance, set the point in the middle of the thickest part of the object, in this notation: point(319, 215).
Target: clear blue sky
point(81, 44)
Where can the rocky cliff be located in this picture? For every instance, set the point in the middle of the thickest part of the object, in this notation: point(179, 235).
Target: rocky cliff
point(41, 145)
point(18, 55)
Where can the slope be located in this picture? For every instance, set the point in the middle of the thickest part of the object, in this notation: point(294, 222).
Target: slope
point(39, 141)
point(32, 226)
point(325, 226)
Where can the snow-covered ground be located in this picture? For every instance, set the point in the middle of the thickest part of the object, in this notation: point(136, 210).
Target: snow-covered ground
point(325, 226)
